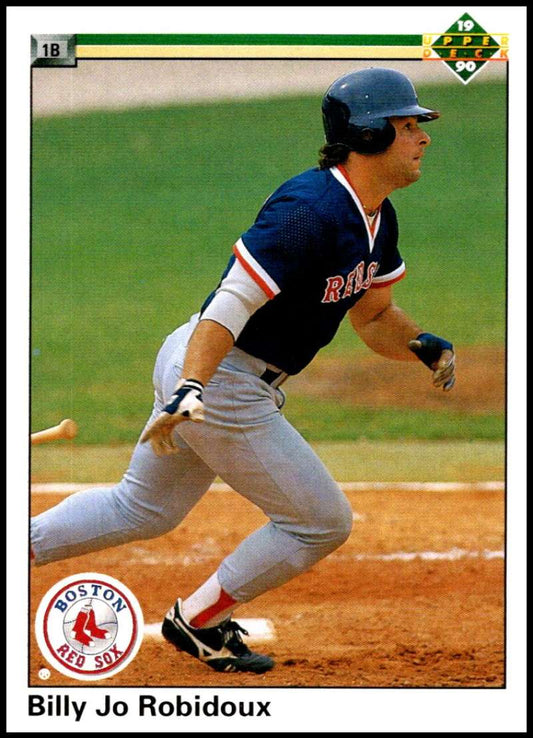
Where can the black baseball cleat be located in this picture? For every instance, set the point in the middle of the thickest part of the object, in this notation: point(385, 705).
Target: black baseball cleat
point(221, 647)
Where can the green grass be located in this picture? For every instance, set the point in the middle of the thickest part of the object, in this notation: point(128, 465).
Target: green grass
point(354, 461)
point(323, 421)
point(134, 214)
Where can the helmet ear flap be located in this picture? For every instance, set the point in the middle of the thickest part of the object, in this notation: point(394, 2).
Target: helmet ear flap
point(366, 140)
point(366, 134)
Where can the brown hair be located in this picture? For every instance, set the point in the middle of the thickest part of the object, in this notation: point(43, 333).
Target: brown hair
point(332, 154)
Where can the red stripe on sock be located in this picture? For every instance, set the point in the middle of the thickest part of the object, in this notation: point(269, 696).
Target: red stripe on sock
point(223, 602)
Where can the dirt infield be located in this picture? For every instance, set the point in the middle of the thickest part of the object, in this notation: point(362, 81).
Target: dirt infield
point(388, 384)
point(414, 598)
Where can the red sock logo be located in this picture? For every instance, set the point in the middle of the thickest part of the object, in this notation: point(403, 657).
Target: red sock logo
point(80, 632)
point(93, 629)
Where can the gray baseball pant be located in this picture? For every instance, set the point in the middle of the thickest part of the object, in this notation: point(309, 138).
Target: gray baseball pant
point(250, 445)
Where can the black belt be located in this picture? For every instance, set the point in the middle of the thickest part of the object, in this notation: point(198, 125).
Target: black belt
point(269, 376)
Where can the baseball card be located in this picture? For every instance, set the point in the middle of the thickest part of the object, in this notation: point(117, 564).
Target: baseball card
point(266, 369)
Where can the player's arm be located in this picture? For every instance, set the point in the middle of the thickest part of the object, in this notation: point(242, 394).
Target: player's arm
point(208, 345)
point(383, 326)
point(235, 301)
point(389, 331)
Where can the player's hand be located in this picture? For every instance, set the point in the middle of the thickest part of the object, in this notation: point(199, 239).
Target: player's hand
point(437, 354)
point(186, 404)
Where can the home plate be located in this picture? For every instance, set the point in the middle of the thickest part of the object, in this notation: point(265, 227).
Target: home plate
point(259, 629)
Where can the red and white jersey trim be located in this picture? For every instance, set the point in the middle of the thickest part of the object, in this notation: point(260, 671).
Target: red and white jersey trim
point(384, 280)
point(371, 230)
point(255, 270)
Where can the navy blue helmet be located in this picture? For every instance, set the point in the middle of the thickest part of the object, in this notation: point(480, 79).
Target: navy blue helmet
point(356, 108)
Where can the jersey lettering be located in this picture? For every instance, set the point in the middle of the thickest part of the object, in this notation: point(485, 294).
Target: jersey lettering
point(333, 289)
point(372, 268)
point(349, 282)
point(360, 276)
point(354, 282)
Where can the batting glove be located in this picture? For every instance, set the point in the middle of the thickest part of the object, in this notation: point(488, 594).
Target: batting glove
point(437, 354)
point(185, 404)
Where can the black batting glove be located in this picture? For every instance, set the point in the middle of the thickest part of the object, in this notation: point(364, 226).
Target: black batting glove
point(437, 354)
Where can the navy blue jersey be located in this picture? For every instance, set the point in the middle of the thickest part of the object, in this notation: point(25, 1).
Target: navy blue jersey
point(314, 254)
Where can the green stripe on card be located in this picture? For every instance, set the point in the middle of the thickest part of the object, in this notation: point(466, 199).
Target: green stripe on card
point(120, 39)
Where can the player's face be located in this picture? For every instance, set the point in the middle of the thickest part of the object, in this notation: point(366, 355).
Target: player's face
point(402, 160)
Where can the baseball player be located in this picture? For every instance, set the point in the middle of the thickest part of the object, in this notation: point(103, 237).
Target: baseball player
point(324, 244)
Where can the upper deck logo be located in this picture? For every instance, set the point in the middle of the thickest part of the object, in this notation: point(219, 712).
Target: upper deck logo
point(89, 626)
point(466, 47)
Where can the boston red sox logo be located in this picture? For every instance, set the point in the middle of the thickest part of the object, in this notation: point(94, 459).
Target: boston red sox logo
point(89, 626)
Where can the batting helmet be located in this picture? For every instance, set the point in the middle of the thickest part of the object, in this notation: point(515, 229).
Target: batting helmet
point(356, 109)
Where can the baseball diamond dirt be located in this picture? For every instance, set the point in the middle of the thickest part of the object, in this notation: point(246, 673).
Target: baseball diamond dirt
point(414, 598)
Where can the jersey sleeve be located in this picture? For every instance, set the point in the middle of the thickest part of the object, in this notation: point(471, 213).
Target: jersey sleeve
point(235, 300)
point(282, 245)
point(392, 267)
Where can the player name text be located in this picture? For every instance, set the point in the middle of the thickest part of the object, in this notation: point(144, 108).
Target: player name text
point(147, 706)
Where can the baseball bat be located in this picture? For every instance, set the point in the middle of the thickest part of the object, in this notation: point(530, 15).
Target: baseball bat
point(67, 429)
